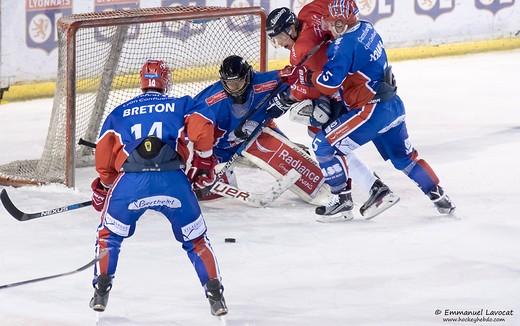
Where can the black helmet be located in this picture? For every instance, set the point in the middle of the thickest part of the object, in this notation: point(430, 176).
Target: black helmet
point(280, 20)
point(235, 68)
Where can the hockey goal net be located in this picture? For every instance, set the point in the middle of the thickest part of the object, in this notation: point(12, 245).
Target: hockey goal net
point(100, 55)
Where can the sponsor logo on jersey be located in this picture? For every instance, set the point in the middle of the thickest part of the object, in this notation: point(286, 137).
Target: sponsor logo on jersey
point(153, 201)
point(378, 52)
point(41, 17)
point(194, 230)
point(264, 87)
point(493, 5)
point(116, 226)
point(375, 10)
point(215, 98)
point(433, 8)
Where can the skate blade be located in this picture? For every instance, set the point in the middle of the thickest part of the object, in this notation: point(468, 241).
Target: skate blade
point(340, 217)
point(220, 312)
point(447, 211)
point(98, 307)
point(377, 208)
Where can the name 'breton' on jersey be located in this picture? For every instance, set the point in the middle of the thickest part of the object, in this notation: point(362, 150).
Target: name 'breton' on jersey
point(171, 119)
point(151, 108)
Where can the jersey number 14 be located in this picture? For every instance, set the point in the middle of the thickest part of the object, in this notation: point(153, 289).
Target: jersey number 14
point(156, 130)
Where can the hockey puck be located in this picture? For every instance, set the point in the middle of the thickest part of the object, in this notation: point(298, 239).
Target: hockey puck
point(230, 240)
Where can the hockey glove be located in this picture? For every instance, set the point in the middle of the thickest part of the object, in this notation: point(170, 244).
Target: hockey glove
point(242, 132)
point(99, 194)
point(279, 104)
point(293, 74)
point(322, 111)
point(300, 92)
point(202, 171)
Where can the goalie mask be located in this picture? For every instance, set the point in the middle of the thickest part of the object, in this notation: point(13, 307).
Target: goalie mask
point(155, 75)
point(235, 75)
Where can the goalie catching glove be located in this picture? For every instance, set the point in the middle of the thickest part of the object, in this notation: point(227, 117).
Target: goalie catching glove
point(202, 171)
point(313, 113)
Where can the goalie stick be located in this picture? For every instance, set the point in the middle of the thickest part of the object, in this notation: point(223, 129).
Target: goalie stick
point(230, 191)
point(45, 278)
point(22, 216)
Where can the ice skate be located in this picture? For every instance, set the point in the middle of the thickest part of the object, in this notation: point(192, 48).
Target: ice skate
point(214, 293)
point(381, 198)
point(441, 201)
point(101, 291)
point(338, 209)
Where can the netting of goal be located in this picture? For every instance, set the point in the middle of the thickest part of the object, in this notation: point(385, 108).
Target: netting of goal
point(100, 55)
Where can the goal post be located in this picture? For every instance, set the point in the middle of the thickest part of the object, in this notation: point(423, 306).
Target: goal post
point(99, 58)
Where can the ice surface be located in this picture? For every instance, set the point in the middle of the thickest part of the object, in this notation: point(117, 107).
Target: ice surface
point(463, 116)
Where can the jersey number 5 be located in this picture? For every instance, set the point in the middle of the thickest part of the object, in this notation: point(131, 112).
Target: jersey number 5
point(156, 130)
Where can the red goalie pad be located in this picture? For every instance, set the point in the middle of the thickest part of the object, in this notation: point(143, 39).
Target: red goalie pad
point(277, 155)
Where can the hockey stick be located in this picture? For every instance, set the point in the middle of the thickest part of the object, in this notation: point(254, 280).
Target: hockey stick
point(230, 191)
point(45, 278)
point(253, 199)
point(22, 216)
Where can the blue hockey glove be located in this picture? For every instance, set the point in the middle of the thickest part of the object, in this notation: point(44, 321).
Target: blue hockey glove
point(279, 104)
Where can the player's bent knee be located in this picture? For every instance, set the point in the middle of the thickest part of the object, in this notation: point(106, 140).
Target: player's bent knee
point(321, 147)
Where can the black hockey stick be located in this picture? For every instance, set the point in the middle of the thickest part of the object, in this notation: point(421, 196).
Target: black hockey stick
point(21, 216)
point(40, 279)
point(86, 143)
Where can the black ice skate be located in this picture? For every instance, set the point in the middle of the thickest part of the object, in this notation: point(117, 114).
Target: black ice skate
point(101, 290)
point(381, 198)
point(441, 200)
point(338, 209)
point(214, 293)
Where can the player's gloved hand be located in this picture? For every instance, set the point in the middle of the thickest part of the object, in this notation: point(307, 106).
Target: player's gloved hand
point(300, 92)
point(293, 74)
point(287, 74)
point(99, 194)
point(242, 131)
point(279, 104)
point(322, 111)
point(202, 171)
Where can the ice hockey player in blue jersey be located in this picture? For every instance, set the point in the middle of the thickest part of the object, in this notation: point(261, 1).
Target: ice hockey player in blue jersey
point(228, 101)
point(230, 104)
point(357, 72)
point(140, 166)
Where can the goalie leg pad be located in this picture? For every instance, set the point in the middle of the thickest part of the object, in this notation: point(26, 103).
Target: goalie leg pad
point(277, 155)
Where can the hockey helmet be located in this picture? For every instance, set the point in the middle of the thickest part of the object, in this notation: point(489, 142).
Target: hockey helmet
point(155, 75)
point(235, 75)
point(341, 15)
point(279, 27)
